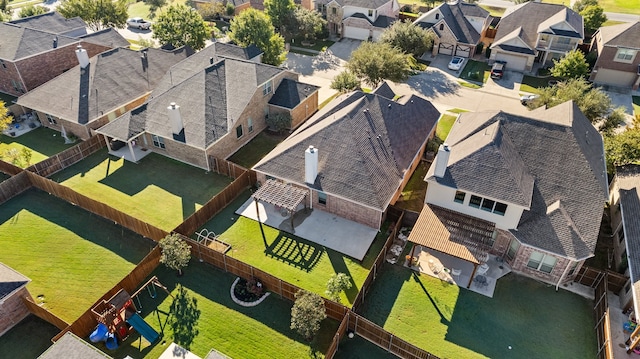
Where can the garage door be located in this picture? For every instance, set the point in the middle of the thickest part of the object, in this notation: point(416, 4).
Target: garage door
point(615, 78)
point(445, 49)
point(514, 63)
point(356, 33)
point(463, 51)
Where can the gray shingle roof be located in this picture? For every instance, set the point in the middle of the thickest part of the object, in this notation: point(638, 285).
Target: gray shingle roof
point(563, 153)
point(531, 15)
point(365, 144)
point(628, 183)
point(51, 22)
point(10, 280)
point(385, 90)
point(290, 93)
point(112, 79)
point(72, 347)
point(19, 42)
point(454, 15)
point(109, 37)
point(367, 4)
point(624, 35)
point(210, 100)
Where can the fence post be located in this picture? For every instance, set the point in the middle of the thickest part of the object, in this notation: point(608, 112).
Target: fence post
point(390, 341)
point(374, 270)
point(224, 259)
point(281, 289)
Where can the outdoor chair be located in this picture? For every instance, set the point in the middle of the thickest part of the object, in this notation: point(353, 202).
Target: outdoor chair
point(456, 273)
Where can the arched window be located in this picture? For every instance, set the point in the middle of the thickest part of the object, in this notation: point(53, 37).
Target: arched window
point(437, 16)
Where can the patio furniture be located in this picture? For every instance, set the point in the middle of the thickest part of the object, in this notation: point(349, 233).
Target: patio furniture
point(483, 269)
point(481, 280)
point(456, 273)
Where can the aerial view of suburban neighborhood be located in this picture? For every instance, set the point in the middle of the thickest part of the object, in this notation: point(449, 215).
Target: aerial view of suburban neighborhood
point(416, 179)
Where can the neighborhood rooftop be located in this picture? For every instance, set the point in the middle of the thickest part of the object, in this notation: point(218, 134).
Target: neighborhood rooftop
point(10, 281)
point(52, 22)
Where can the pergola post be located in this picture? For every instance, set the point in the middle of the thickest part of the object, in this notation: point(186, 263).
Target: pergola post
point(634, 339)
point(133, 155)
point(413, 253)
point(473, 273)
point(257, 209)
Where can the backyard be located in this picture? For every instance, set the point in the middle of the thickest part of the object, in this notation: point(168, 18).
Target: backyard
point(28, 339)
point(43, 143)
point(524, 319)
point(158, 190)
point(257, 148)
point(239, 332)
point(360, 348)
point(72, 257)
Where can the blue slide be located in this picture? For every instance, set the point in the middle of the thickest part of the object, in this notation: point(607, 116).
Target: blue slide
point(143, 328)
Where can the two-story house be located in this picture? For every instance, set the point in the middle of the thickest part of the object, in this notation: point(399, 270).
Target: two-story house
point(458, 27)
point(618, 49)
point(538, 182)
point(536, 32)
point(356, 19)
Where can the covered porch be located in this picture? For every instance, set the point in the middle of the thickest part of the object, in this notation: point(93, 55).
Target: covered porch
point(455, 248)
point(123, 142)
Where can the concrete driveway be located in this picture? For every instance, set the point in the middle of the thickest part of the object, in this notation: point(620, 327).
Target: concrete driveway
point(343, 48)
point(317, 70)
point(508, 85)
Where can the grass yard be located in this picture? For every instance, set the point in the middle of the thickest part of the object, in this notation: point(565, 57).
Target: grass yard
point(359, 348)
point(451, 322)
point(636, 105)
point(43, 143)
point(532, 84)
point(476, 71)
point(469, 85)
point(457, 110)
point(621, 6)
point(71, 256)
point(444, 126)
point(414, 192)
point(259, 332)
point(158, 190)
point(318, 45)
point(561, 2)
point(494, 10)
point(142, 9)
point(28, 339)
point(611, 23)
point(329, 99)
point(257, 148)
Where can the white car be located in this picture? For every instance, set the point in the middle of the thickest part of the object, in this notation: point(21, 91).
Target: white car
point(456, 63)
point(139, 23)
point(526, 99)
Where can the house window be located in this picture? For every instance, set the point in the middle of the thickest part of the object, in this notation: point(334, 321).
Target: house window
point(51, 119)
point(239, 131)
point(625, 55)
point(459, 198)
point(542, 262)
point(158, 141)
point(322, 198)
point(266, 89)
point(621, 234)
point(250, 125)
point(370, 13)
point(513, 249)
point(487, 205)
point(441, 27)
point(334, 10)
point(500, 208)
point(437, 16)
point(563, 40)
point(475, 201)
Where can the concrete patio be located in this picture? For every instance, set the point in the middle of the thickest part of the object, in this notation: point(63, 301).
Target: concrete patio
point(342, 235)
point(126, 153)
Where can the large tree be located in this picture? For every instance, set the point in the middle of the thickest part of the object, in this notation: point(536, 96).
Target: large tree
point(176, 253)
point(580, 5)
point(624, 147)
point(307, 313)
point(307, 23)
point(154, 6)
point(32, 10)
point(408, 37)
point(377, 61)
point(180, 25)
point(98, 14)
point(5, 119)
point(571, 66)
point(280, 12)
point(254, 27)
point(593, 17)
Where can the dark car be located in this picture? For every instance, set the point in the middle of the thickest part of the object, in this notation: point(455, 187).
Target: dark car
point(497, 70)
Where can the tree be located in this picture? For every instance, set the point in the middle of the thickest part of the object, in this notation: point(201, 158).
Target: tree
point(571, 66)
point(307, 313)
point(409, 38)
point(98, 14)
point(280, 12)
point(623, 148)
point(5, 118)
point(308, 23)
point(211, 11)
point(345, 82)
point(230, 9)
point(377, 61)
point(338, 283)
point(180, 25)
point(176, 253)
point(254, 27)
point(593, 17)
point(580, 5)
point(154, 5)
point(31, 10)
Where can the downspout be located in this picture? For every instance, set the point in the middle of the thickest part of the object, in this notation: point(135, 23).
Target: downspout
point(310, 198)
point(566, 269)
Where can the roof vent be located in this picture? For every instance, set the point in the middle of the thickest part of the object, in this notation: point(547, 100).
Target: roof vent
point(55, 42)
point(211, 60)
point(389, 106)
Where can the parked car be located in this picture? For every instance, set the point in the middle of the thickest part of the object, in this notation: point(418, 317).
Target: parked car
point(138, 23)
point(497, 70)
point(526, 99)
point(456, 63)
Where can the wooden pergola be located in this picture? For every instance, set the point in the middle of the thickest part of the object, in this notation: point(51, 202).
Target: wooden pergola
point(454, 234)
point(280, 194)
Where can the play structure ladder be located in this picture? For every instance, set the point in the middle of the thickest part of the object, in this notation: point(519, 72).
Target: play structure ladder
point(145, 330)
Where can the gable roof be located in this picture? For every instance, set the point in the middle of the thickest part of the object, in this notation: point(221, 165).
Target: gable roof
point(622, 35)
point(290, 93)
point(51, 22)
point(455, 16)
point(109, 37)
point(111, 80)
point(366, 4)
point(385, 91)
point(559, 150)
point(628, 183)
point(19, 42)
point(69, 346)
point(210, 100)
point(534, 17)
point(10, 281)
point(365, 144)
point(382, 21)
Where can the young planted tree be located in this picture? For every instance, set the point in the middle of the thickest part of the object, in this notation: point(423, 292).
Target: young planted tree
point(377, 61)
point(572, 66)
point(338, 283)
point(98, 14)
point(32, 10)
point(254, 27)
point(307, 313)
point(176, 253)
point(345, 82)
point(409, 38)
point(180, 25)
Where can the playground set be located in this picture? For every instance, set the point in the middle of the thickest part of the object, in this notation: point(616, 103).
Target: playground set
point(118, 317)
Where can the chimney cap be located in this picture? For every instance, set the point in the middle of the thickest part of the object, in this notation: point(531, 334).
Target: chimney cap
point(79, 47)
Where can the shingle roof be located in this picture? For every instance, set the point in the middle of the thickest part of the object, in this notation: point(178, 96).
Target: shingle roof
point(628, 182)
point(290, 93)
point(534, 17)
point(109, 37)
point(562, 152)
point(210, 100)
point(10, 281)
point(112, 79)
point(51, 22)
point(72, 347)
point(367, 4)
point(385, 90)
point(365, 142)
point(624, 35)
point(454, 15)
point(19, 42)
point(382, 21)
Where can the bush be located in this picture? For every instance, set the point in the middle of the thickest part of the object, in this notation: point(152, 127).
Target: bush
point(279, 122)
point(345, 81)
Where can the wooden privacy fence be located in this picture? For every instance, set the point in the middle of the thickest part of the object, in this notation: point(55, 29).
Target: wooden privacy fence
point(227, 168)
point(14, 186)
point(86, 323)
point(44, 314)
point(215, 205)
point(603, 324)
point(340, 333)
point(68, 157)
point(591, 277)
point(96, 207)
point(9, 168)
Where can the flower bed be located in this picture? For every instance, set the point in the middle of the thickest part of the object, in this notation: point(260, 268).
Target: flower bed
point(247, 293)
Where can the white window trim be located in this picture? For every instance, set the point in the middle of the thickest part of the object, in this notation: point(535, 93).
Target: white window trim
point(241, 130)
point(633, 53)
point(267, 88)
point(159, 140)
point(542, 262)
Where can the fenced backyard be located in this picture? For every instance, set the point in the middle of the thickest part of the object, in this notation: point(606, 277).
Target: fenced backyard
point(42, 142)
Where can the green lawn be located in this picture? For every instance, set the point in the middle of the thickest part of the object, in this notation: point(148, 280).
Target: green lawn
point(494, 10)
point(28, 339)
point(158, 190)
point(412, 197)
point(621, 6)
point(611, 23)
point(476, 71)
point(318, 45)
point(451, 322)
point(142, 9)
point(43, 143)
point(457, 110)
point(532, 84)
point(257, 148)
point(259, 332)
point(359, 348)
point(71, 256)
point(561, 2)
point(444, 126)
point(636, 105)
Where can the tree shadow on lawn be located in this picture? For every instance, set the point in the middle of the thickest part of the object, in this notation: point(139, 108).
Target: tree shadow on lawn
point(117, 239)
point(339, 266)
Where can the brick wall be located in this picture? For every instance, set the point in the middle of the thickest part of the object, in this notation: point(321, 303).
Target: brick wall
point(519, 265)
point(13, 310)
point(300, 113)
point(9, 75)
point(177, 150)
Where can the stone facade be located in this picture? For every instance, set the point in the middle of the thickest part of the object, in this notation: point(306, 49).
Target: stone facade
point(13, 310)
point(334, 18)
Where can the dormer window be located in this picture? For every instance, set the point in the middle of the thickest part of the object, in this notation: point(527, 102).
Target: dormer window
point(441, 27)
point(437, 16)
point(370, 13)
